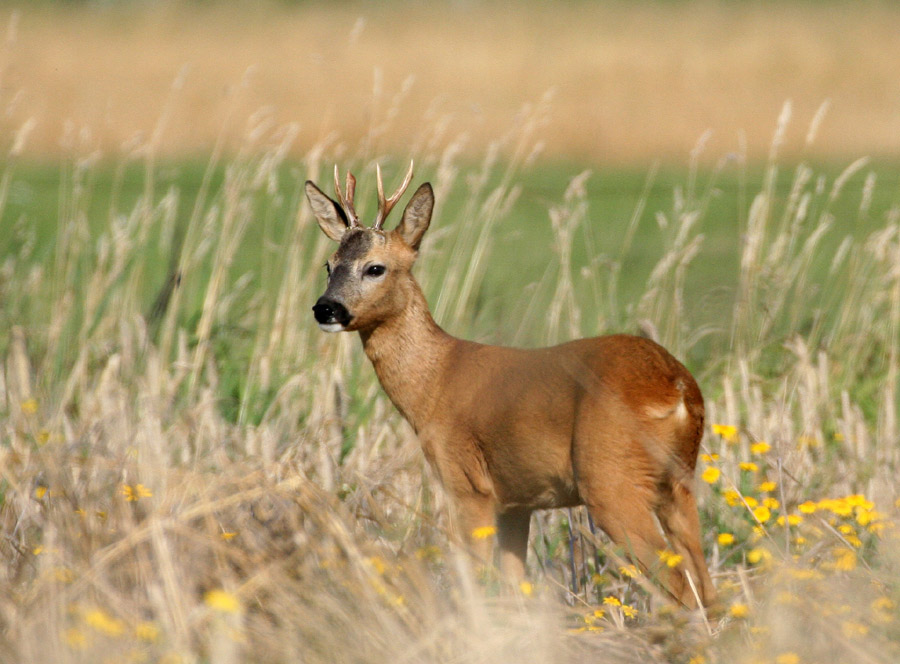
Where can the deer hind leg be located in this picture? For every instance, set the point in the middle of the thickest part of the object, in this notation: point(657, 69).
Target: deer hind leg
point(628, 518)
point(681, 523)
point(512, 533)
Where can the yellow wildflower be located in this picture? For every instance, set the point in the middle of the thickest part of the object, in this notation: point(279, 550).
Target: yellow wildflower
point(727, 431)
point(792, 520)
point(755, 556)
point(808, 441)
point(526, 588)
point(760, 448)
point(670, 558)
point(631, 571)
point(751, 501)
point(767, 486)
point(762, 513)
point(29, 406)
point(709, 458)
point(788, 658)
point(40, 492)
point(739, 610)
point(852, 629)
point(103, 622)
point(146, 631)
point(711, 474)
point(749, 466)
point(612, 600)
point(771, 503)
point(75, 638)
point(808, 507)
point(845, 559)
point(731, 497)
point(629, 611)
point(222, 601)
point(725, 539)
point(484, 532)
point(227, 535)
point(697, 659)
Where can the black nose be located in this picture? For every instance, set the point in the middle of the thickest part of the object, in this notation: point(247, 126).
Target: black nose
point(328, 311)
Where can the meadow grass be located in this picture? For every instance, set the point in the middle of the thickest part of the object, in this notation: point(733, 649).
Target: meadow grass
point(190, 471)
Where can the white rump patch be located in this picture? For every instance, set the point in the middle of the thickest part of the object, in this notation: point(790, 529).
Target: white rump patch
point(661, 412)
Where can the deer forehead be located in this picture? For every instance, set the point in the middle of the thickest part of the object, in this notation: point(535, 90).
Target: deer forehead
point(366, 244)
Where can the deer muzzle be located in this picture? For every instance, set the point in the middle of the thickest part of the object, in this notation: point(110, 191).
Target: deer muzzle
point(331, 315)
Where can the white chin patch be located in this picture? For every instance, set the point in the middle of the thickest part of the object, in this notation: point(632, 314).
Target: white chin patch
point(331, 327)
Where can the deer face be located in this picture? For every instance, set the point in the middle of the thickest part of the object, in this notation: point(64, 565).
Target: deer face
point(369, 272)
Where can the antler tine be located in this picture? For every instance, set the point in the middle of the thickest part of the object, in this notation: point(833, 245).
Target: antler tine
point(386, 205)
point(346, 198)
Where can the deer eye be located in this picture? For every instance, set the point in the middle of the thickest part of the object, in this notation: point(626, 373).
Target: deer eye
point(375, 270)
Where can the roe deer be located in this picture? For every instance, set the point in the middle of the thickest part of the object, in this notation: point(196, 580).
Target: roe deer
point(613, 422)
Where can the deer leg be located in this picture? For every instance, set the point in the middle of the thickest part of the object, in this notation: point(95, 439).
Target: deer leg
point(475, 516)
point(625, 512)
point(681, 522)
point(512, 531)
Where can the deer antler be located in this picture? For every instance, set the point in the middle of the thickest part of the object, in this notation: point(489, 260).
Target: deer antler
point(385, 205)
point(346, 198)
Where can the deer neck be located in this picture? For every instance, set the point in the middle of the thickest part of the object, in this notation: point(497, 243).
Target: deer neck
point(409, 352)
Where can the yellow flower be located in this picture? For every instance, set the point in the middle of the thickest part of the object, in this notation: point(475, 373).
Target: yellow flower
point(792, 520)
point(711, 474)
point(102, 622)
point(731, 497)
point(808, 507)
point(808, 441)
point(222, 601)
point(612, 600)
point(227, 535)
point(760, 448)
point(853, 629)
point(38, 550)
point(845, 559)
point(748, 465)
point(136, 492)
point(787, 658)
point(75, 638)
point(40, 492)
point(484, 532)
point(29, 406)
point(526, 588)
point(146, 631)
point(697, 659)
point(762, 513)
point(755, 556)
point(728, 432)
point(725, 539)
point(771, 503)
point(670, 558)
point(709, 458)
point(767, 486)
point(630, 571)
point(629, 611)
point(739, 610)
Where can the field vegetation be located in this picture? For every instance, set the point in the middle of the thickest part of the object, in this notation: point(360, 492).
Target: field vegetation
point(190, 471)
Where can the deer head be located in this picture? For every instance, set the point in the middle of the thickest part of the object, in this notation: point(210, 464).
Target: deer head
point(369, 276)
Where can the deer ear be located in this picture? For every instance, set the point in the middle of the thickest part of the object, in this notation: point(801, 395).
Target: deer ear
point(416, 216)
point(329, 214)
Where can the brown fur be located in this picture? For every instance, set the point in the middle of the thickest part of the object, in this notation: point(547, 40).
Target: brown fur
point(613, 422)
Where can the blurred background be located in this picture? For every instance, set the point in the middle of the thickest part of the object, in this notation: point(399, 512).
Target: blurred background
point(627, 82)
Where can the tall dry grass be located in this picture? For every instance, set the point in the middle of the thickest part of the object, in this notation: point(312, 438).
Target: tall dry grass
point(140, 523)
